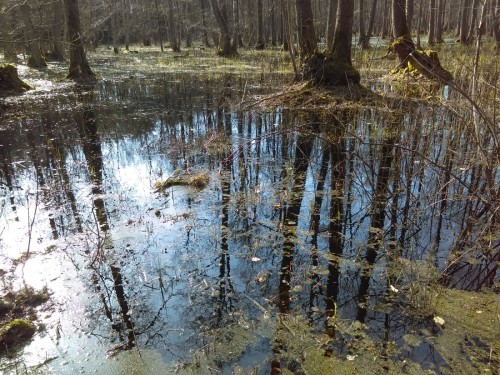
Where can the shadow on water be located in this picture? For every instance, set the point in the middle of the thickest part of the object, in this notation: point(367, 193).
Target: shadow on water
point(337, 225)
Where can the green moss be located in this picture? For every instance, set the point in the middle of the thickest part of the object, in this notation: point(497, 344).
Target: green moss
point(470, 341)
point(15, 332)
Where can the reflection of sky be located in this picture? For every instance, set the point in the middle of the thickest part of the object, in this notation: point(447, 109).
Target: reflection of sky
point(177, 237)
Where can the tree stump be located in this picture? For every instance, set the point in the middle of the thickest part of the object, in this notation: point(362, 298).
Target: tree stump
point(10, 83)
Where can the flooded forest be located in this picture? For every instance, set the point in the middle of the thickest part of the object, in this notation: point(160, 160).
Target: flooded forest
point(249, 187)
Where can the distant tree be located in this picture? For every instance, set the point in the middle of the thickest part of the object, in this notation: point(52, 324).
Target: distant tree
point(329, 68)
point(79, 67)
point(432, 23)
point(57, 32)
point(272, 23)
point(260, 27)
point(496, 24)
point(236, 25)
point(172, 31)
point(363, 42)
point(464, 21)
point(409, 13)
point(473, 19)
point(330, 25)
point(439, 21)
point(204, 24)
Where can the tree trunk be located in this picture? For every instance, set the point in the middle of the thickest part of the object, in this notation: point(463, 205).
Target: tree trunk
point(79, 67)
point(305, 25)
point(496, 24)
point(204, 24)
point(7, 43)
point(272, 22)
point(114, 32)
point(225, 48)
point(439, 21)
point(126, 23)
point(472, 26)
point(172, 31)
point(260, 27)
point(158, 20)
point(333, 68)
point(36, 59)
point(343, 32)
point(373, 11)
point(57, 32)
point(363, 43)
point(236, 24)
point(464, 21)
point(330, 25)
point(409, 13)
point(432, 23)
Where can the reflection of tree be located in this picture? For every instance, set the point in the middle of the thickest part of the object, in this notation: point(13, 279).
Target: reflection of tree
point(303, 147)
point(377, 216)
point(7, 170)
point(91, 145)
point(56, 151)
point(302, 153)
point(224, 124)
point(336, 219)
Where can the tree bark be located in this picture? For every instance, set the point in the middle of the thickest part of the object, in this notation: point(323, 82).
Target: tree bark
point(236, 24)
point(305, 25)
point(79, 67)
point(409, 13)
point(204, 24)
point(496, 24)
point(464, 21)
point(158, 21)
point(57, 32)
point(36, 59)
point(172, 31)
point(432, 23)
point(225, 48)
point(260, 27)
point(330, 26)
point(272, 23)
point(439, 21)
point(371, 23)
point(363, 43)
point(333, 68)
point(472, 26)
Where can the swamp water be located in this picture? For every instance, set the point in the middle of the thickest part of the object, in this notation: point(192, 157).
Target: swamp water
point(318, 242)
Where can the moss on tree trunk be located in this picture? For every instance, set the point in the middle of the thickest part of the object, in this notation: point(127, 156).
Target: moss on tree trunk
point(413, 60)
point(10, 83)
